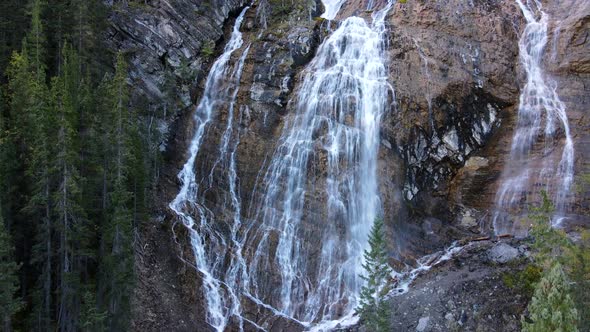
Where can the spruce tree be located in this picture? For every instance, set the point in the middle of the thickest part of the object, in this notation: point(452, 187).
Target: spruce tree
point(579, 266)
point(549, 243)
point(9, 284)
point(13, 25)
point(72, 176)
point(38, 134)
point(71, 224)
point(36, 40)
point(31, 133)
point(118, 228)
point(374, 309)
point(552, 308)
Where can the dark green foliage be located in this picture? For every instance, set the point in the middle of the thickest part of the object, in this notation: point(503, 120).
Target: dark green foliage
point(549, 243)
point(579, 273)
point(73, 171)
point(208, 49)
point(92, 319)
point(13, 25)
point(525, 280)
point(117, 259)
point(552, 308)
point(564, 265)
point(374, 309)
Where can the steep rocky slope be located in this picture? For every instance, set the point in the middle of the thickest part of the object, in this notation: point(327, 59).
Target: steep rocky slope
point(444, 141)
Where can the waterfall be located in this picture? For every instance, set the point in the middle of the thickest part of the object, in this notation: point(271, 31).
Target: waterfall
point(325, 162)
point(331, 8)
point(540, 112)
point(209, 246)
point(308, 275)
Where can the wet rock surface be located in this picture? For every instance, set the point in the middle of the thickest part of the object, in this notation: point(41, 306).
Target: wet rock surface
point(466, 293)
point(275, 56)
point(457, 75)
point(502, 253)
point(453, 66)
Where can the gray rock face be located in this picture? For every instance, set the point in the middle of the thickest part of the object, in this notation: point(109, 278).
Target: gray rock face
point(164, 35)
point(167, 45)
point(503, 253)
point(466, 293)
point(422, 324)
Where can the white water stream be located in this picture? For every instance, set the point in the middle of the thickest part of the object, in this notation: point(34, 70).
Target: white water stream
point(335, 126)
point(541, 116)
point(209, 246)
point(331, 8)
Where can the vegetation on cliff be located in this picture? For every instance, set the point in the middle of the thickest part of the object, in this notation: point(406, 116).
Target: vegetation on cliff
point(561, 297)
point(374, 309)
point(552, 308)
point(74, 171)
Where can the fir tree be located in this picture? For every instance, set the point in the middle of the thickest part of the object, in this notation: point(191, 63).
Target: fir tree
point(579, 263)
point(31, 135)
point(38, 136)
point(13, 26)
point(36, 40)
point(374, 309)
point(118, 228)
point(72, 170)
point(549, 243)
point(71, 221)
point(552, 309)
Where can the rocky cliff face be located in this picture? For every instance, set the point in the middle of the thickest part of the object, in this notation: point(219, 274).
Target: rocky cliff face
point(458, 76)
point(168, 44)
point(445, 140)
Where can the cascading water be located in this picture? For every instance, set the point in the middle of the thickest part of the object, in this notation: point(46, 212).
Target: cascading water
point(331, 8)
point(209, 246)
point(539, 105)
point(333, 139)
point(335, 127)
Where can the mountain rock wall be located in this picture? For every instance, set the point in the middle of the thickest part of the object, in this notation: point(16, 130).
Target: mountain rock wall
point(455, 71)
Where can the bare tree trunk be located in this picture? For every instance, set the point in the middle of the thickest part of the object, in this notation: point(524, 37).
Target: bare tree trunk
point(48, 248)
point(7, 324)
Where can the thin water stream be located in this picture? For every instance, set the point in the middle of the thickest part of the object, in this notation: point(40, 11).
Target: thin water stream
point(542, 118)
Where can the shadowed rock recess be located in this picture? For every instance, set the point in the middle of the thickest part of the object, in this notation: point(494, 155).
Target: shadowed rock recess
point(449, 77)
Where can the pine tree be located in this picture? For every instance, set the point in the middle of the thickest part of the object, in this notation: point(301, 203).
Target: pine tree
point(579, 264)
point(36, 40)
point(118, 228)
point(374, 309)
point(37, 137)
point(70, 217)
point(550, 243)
point(31, 136)
point(552, 308)
point(9, 284)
